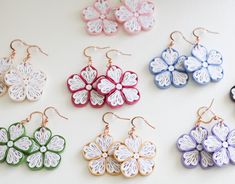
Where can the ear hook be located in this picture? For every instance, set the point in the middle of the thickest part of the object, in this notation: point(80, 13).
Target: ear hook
point(12, 46)
point(114, 50)
point(30, 117)
point(202, 29)
point(29, 54)
point(173, 39)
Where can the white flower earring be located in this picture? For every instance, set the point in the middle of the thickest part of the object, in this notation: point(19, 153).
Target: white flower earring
point(134, 155)
point(24, 82)
point(100, 152)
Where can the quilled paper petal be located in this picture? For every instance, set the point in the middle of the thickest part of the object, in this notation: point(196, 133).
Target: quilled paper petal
point(75, 83)
point(146, 22)
point(51, 160)
point(200, 52)
point(179, 79)
point(42, 135)
point(132, 5)
point(80, 98)
point(35, 147)
point(122, 153)
point(215, 58)
point(201, 76)
point(122, 14)
point(16, 131)
point(89, 74)
point(157, 65)
point(12, 77)
point(148, 150)
point(96, 99)
point(115, 99)
point(192, 64)
point(130, 168)
point(132, 26)
point(3, 152)
point(179, 65)
point(114, 73)
point(146, 166)
point(34, 92)
point(14, 157)
point(146, 7)
point(23, 144)
point(102, 6)
point(212, 144)
point(130, 79)
point(113, 147)
point(231, 138)
point(3, 136)
point(110, 26)
point(131, 95)
point(35, 161)
point(221, 131)
point(170, 56)
point(56, 144)
point(97, 167)
point(220, 157)
point(206, 159)
point(199, 134)
point(105, 86)
point(186, 143)
point(133, 143)
point(216, 73)
point(91, 151)
point(163, 80)
point(17, 93)
point(90, 13)
point(190, 158)
point(231, 153)
point(95, 27)
point(112, 166)
point(104, 142)
point(37, 78)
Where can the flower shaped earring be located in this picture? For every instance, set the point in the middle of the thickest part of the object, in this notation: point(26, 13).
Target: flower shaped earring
point(134, 155)
point(118, 87)
point(82, 85)
point(100, 18)
point(24, 82)
point(100, 152)
point(169, 68)
point(205, 66)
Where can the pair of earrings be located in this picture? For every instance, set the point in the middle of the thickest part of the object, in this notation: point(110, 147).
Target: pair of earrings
point(115, 88)
point(42, 150)
point(131, 157)
point(204, 148)
point(135, 15)
point(173, 69)
point(21, 81)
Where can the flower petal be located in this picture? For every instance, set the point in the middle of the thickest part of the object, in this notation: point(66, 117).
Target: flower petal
point(110, 26)
point(146, 7)
point(132, 25)
point(97, 167)
point(179, 65)
point(17, 93)
point(146, 22)
point(132, 5)
point(56, 144)
point(220, 157)
point(231, 138)
point(90, 13)
point(186, 143)
point(5, 65)
point(133, 143)
point(95, 27)
point(114, 73)
point(35, 147)
point(3, 88)
point(23, 144)
point(51, 160)
point(192, 64)
point(75, 83)
point(122, 153)
point(231, 153)
point(12, 77)
point(122, 14)
point(42, 135)
point(206, 159)
point(199, 134)
point(104, 142)
point(96, 99)
point(35, 161)
point(3, 151)
point(221, 131)
point(102, 6)
point(130, 79)
point(216, 72)
point(201, 76)
point(148, 150)
point(132, 95)
point(105, 86)
point(214, 58)
point(34, 92)
point(89, 74)
point(91, 151)
point(112, 166)
point(16, 131)
point(3, 136)
point(130, 168)
point(80, 98)
point(146, 166)
point(37, 78)
point(211, 144)
point(163, 80)
point(179, 79)
point(115, 99)
point(200, 52)
point(25, 69)
point(157, 65)
point(113, 147)
point(170, 56)
point(190, 158)
point(14, 157)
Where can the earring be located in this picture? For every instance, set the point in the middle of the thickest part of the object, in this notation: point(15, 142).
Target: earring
point(205, 66)
point(191, 145)
point(82, 86)
point(99, 18)
point(232, 93)
point(14, 144)
point(46, 148)
point(118, 87)
point(99, 153)
point(136, 157)
point(24, 82)
point(5, 65)
point(136, 15)
point(169, 68)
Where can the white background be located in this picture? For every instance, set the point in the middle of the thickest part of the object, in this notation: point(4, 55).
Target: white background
point(57, 27)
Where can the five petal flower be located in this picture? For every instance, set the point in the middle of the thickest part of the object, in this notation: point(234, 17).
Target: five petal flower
point(100, 155)
point(100, 18)
point(82, 87)
point(221, 144)
point(136, 157)
point(192, 150)
point(205, 66)
point(136, 15)
point(25, 83)
point(169, 69)
point(119, 87)
point(45, 150)
point(14, 144)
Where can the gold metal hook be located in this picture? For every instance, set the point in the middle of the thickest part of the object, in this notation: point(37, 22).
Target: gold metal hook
point(28, 119)
point(13, 53)
point(29, 54)
point(173, 39)
point(114, 50)
point(202, 29)
point(140, 117)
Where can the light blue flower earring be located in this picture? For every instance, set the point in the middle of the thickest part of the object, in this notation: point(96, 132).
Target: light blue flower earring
point(205, 66)
point(168, 69)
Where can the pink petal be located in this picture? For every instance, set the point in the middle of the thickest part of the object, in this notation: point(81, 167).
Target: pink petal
point(105, 86)
point(122, 14)
point(75, 83)
point(132, 26)
point(146, 8)
point(110, 27)
point(102, 6)
point(132, 5)
point(89, 74)
point(94, 27)
point(90, 13)
point(132, 95)
point(96, 100)
point(146, 22)
point(80, 98)
point(130, 79)
point(114, 73)
point(115, 99)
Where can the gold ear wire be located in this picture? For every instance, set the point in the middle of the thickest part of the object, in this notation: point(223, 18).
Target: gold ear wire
point(28, 119)
point(114, 50)
point(12, 46)
point(173, 39)
point(28, 56)
point(202, 29)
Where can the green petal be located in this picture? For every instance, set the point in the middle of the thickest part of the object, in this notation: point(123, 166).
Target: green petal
point(35, 147)
point(51, 160)
point(3, 152)
point(56, 144)
point(42, 135)
point(14, 157)
point(3, 136)
point(23, 144)
point(16, 131)
point(35, 161)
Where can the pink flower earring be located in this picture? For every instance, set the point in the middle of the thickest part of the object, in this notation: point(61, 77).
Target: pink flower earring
point(100, 18)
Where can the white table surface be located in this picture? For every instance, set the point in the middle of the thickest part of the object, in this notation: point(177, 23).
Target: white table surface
point(56, 26)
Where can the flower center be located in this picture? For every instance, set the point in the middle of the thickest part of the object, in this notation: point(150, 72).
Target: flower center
point(105, 155)
point(199, 147)
point(171, 68)
point(119, 86)
point(102, 16)
point(88, 87)
point(205, 64)
point(136, 156)
point(136, 14)
point(26, 81)
point(10, 144)
point(43, 149)
point(225, 144)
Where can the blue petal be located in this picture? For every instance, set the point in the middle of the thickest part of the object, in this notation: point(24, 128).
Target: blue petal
point(179, 79)
point(202, 76)
point(163, 80)
point(179, 65)
point(216, 72)
point(157, 65)
point(170, 56)
point(200, 52)
point(192, 64)
point(215, 58)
